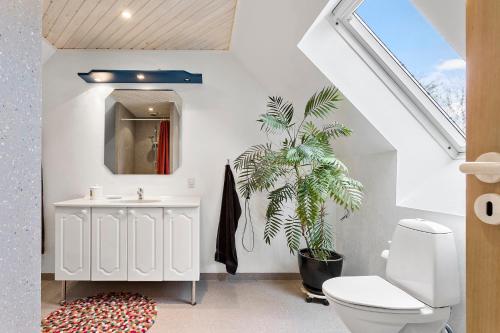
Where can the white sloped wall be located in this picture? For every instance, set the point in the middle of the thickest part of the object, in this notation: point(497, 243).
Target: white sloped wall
point(448, 17)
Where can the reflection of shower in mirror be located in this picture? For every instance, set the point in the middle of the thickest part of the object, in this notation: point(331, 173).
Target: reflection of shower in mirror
point(142, 131)
point(154, 145)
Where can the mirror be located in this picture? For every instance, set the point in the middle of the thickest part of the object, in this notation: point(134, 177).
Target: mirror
point(142, 131)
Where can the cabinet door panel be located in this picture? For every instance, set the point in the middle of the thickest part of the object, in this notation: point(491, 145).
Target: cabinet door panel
point(109, 244)
point(181, 244)
point(72, 244)
point(145, 244)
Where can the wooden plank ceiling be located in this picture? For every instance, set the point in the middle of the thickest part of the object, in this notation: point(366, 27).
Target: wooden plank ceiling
point(153, 24)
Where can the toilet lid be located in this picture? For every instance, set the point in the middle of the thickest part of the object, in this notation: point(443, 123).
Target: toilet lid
point(370, 291)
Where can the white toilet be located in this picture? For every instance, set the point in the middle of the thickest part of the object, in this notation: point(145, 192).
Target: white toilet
point(422, 284)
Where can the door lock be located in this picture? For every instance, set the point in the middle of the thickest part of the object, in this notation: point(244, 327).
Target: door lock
point(487, 208)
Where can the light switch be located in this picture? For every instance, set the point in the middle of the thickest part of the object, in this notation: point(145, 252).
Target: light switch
point(487, 208)
point(191, 182)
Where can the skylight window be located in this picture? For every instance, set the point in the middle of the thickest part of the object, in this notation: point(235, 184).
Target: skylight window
point(421, 51)
point(412, 59)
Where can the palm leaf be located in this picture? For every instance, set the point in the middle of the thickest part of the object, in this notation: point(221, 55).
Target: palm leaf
point(336, 130)
point(271, 229)
point(251, 155)
point(277, 199)
point(322, 103)
point(284, 109)
point(278, 117)
point(321, 236)
point(346, 192)
point(293, 234)
point(308, 200)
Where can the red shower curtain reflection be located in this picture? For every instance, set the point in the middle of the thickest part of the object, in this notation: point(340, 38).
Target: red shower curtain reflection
point(163, 161)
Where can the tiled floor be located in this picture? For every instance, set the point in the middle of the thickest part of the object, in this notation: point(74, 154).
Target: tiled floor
point(223, 306)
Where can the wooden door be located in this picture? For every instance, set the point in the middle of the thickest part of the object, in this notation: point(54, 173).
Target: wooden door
point(145, 244)
point(72, 244)
point(483, 135)
point(109, 244)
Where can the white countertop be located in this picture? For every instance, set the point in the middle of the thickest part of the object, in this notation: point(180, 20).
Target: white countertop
point(159, 201)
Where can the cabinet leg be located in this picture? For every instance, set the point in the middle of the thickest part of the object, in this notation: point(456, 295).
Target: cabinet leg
point(63, 292)
point(193, 293)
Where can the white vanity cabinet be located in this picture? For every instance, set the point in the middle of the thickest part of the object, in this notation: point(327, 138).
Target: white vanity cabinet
point(109, 244)
point(72, 243)
point(128, 240)
point(145, 244)
point(182, 242)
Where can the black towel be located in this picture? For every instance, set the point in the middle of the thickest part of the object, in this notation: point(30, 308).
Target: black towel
point(230, 213)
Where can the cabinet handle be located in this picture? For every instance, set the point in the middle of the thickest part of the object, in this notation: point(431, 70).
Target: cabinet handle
point(121, 212)
point(132, 212)
point(169, 212)
point(83, 211)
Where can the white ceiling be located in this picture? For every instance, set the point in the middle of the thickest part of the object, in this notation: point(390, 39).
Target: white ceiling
point(153, 25)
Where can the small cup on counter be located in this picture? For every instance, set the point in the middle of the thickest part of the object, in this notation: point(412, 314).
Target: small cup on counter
point(96, 192)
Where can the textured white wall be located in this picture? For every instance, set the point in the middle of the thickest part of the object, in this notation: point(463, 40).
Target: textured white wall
point(20, 110)
point(218, 122)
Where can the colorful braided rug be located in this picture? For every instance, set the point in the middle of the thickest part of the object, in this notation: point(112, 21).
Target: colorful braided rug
point(111, 312)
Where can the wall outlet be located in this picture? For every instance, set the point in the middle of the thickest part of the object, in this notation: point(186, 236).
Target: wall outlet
point(191, 183)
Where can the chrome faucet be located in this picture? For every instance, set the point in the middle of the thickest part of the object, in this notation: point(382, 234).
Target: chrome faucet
point(140, 193)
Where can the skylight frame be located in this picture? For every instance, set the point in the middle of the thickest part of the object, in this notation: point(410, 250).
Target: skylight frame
point(397, 78)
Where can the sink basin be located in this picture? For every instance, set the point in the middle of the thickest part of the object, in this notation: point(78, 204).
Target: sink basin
point(140, 201)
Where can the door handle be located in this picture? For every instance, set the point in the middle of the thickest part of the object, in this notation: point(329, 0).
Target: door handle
point(486, 168)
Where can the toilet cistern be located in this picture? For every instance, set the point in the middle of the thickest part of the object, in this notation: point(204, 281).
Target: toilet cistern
point(140, 193)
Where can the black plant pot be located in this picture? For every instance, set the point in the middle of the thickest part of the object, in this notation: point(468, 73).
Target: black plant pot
point(314, 272)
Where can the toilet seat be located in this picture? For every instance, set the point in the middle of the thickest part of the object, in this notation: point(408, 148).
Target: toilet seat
point(371, 293)
point(426, 310)
point(372, 304)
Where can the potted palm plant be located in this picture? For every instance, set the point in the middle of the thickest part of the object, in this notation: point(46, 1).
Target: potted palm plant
point(301, 175)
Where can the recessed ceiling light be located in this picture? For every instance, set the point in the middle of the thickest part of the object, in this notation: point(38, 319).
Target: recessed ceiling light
point(140, 76)
point(150, 109)
point(97, 79)
point(126, 14)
